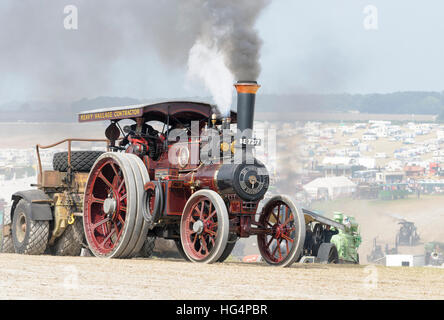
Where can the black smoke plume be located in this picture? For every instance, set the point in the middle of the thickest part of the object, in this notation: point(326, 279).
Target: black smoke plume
point(51, 62)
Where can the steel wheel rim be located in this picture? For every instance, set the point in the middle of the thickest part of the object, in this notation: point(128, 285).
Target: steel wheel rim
point(200, 241)
point(20, 228)
point(139, 227)
point(278, 242)
point(104, 229)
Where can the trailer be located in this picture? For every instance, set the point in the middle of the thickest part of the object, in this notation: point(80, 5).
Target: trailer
point(48, 218)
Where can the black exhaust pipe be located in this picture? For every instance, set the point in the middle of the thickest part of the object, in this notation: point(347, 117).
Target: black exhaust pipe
point(246, 98)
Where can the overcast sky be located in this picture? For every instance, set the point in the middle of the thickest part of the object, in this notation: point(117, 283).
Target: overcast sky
point(318, 46)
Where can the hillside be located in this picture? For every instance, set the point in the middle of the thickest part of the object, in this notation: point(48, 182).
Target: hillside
point(428, 103)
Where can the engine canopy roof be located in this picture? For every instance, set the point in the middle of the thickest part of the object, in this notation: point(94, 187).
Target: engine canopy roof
point(178, 111)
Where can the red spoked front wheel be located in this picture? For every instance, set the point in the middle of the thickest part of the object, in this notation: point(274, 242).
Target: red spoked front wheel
point(283, 236)
point(110, 206)
point(204, 227)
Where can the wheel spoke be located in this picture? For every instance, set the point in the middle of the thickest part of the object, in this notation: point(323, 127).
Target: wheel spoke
point(104, 228)
point(98, 224)
point(211, 215)
point(115, 170)
point(269, 242)
point(97, 200)
point(104, 179)
point(121, 185)
point(287, 238)
point(108, 237)
point(213, 225)
point(290, 219)
point(119, 217)
point(209, 211)
point(195, 238)
point(201, 209)
point(211, 232)
point(201, 248)
point(274, 251)
point(204, 243)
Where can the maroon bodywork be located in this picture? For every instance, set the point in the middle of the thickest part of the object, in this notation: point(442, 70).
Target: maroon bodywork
point(177, 184)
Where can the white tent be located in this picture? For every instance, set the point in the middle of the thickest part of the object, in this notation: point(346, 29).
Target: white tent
point(336, 186)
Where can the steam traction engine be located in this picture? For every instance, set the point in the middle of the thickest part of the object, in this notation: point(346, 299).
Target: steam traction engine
point(195, 182)
point(153, 187)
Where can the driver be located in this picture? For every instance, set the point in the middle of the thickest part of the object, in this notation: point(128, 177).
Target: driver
point(143, 129)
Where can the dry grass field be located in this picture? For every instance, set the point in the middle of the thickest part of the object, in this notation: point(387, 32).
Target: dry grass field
point(49, 277)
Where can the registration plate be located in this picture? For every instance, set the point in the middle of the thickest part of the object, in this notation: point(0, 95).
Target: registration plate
point(250, 141)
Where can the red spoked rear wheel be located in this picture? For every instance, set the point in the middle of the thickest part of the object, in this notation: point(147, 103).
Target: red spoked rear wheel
point(109, 206)
point(204, 227)
point(282, 241)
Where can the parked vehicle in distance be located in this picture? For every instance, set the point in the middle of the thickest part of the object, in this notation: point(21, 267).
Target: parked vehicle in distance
point(407, 234)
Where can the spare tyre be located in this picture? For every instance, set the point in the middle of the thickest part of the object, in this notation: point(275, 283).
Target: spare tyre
point(81, 161)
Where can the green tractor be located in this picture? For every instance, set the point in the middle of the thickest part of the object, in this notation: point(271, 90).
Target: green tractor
point(347, 241)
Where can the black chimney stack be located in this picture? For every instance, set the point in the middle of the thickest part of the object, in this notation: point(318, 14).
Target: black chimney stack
point(246, 97)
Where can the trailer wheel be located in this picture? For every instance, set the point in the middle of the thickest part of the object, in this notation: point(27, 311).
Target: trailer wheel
point(29, 236)
point(328, 253)
point(6, 244)
point(110, 206)
point(283, 236)
point(70, 242)
point(81, 161)
point(204, 227)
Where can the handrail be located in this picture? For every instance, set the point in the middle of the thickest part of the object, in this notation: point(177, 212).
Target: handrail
point(39, 146)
